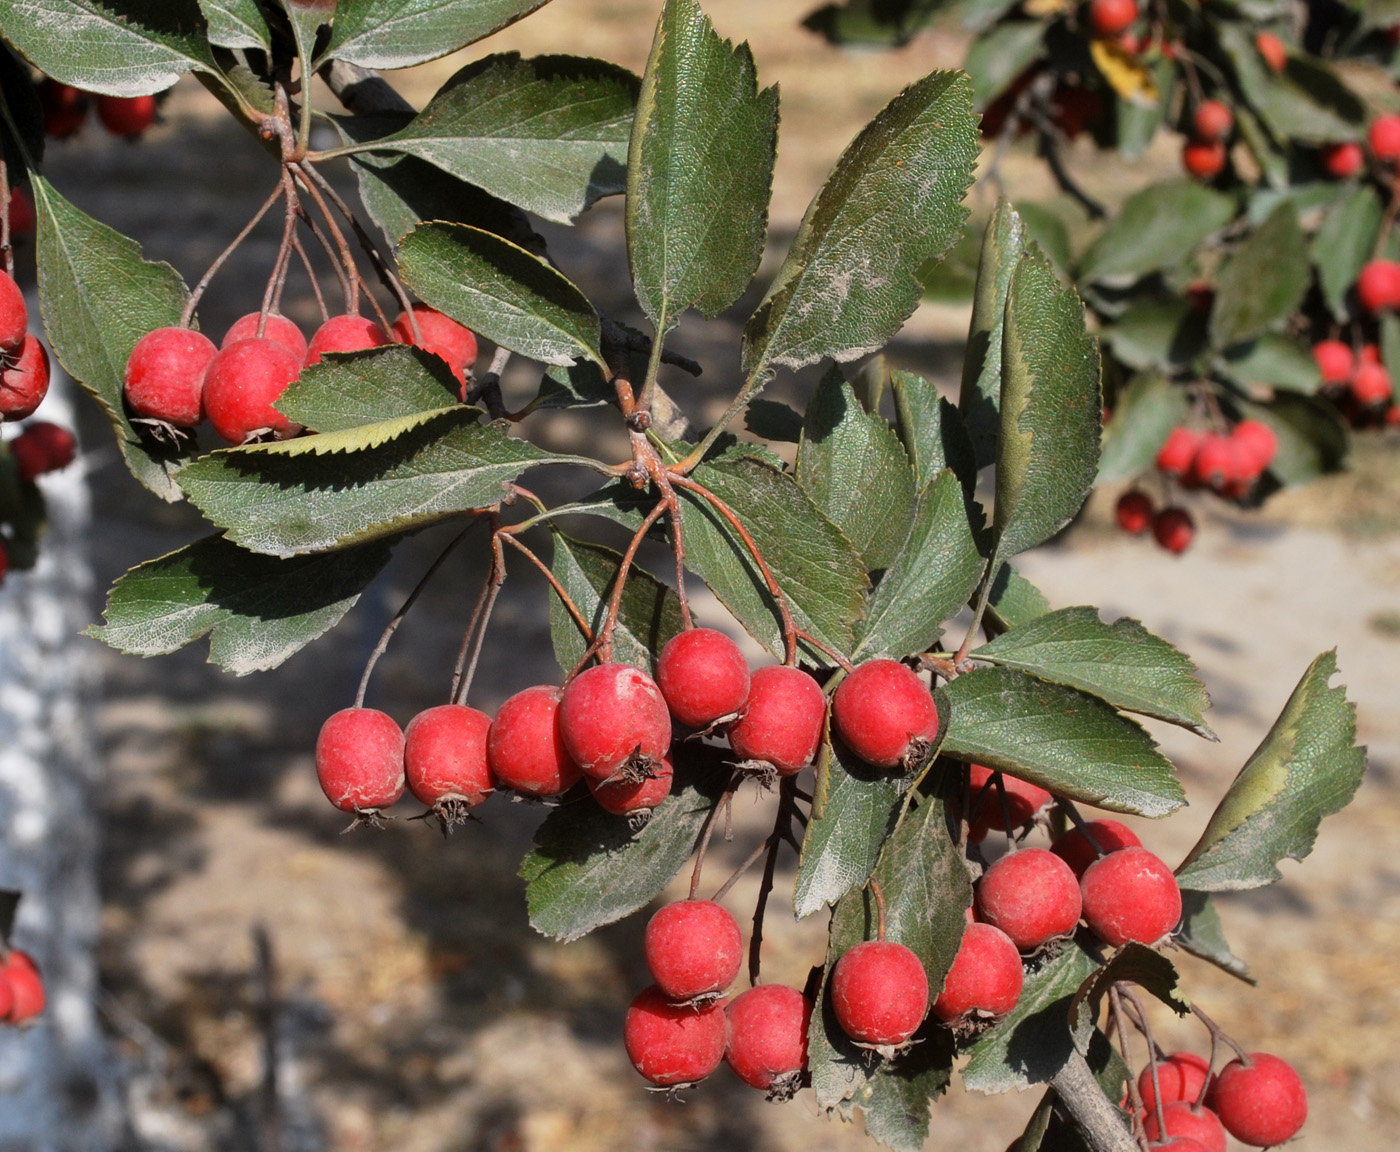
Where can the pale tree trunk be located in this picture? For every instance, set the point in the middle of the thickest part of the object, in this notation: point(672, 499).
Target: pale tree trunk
point(59, 1082)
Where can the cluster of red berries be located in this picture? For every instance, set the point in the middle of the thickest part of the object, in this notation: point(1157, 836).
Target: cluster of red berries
point(1345, 159)
point(66, 111)
point(1358, 383)
point(176, 377)
point(24, 361)
point(21, 988)
point(1206, 148)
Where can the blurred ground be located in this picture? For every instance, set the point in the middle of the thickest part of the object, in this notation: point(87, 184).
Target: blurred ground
point(411, 1007)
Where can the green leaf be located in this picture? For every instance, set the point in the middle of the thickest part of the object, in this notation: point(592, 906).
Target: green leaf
point(1136, 123)
point(1344, 244)
point(1048, 230)
point(1307, 767)
point(1147, 411)
point(814, 564)
point(893, 201)
point(1275, 361)
point(236, 24)
point(495, 288)
point(853, 466)
point(772, 420)
point(1202, 935)
point(1164, 334)
point(1050, 408)
point(284, 499)
point(882, 23)
point(589, 868)
point(930, 578)
point(1312, 440)
point(256, 610)
point(650, 613)
point(1262, 283)
point(1014, 600)
point(1121, 662)
point(1135, 964)
point(1002, 247)
point(347, 391)
point(699, 170)
point(401, 33)
point(1066, 741)
point(98, 298)
point(1158, 227)
point(931, 430)
point(1033, 1041)
point(548, 134)
point(1307, 102)
point(953, 279)
point(1000, 55)
point(113, 47)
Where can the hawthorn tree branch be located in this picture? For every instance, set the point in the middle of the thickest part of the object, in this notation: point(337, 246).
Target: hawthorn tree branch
point(1082, 1097)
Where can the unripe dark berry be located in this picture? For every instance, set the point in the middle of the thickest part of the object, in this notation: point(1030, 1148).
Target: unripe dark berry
point(1212, 120)
point(1378, 286)
point(127, 116)
point(22, 220)
point(1023, 801)
point(1181, 1076)
point(165, 375)
point(879, 992)
point(693, 948)
point(242, 383)
point(1384, 138)
point(703, 676)
point(277, 328)
point(1204, 159)
point(1077, 850)
point(1344, 160)
point(359, 760)
point(441, 335)
point(14, 315)
point(24, 379)
point(1185, 1120)
point(985, 979)
point(444, 759)
point(613, 719)
point(65, 108)
point(767, 1046)
point(1110, 17)
point(43, 447)
point(1131, 895)
point(885, 714)
point(1134, 511)
point(673, 1044)
point(1260, 1101)
point(1173, 529)
point(1175, 456)
point(782, 720)
point(634, 798)
point(26, 987)
point(347, 333)
point(1031, 895)
point(1334, 361)
point(524, 748)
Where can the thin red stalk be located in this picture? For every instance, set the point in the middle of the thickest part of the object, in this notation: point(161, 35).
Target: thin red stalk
point(193, 302)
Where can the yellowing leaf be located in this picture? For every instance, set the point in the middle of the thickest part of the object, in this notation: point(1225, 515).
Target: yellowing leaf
point(1047, 7)
point(1126, 72)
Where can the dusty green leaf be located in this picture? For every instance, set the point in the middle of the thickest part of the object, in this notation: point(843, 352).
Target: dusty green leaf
point(1344, 244)
point(1158, 227)
point(1014, 599)
point(1263, 282)
point(346, 391)
point(1165, 334)
point(1202, 935)
point(1307, 102)
point(772, 420)
point(1312, 440)
point(932, 431)
point(1275, 361)
point(1135, 964)
point(1000, 55)
point(980, 400)
point(401, 33)
point(1147, 411)
point(236, 24)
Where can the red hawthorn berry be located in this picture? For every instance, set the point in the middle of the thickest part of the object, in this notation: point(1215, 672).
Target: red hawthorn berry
point(1023, 801)
point(1181, 1075)
point(636, 798)
point(673, 1044)
point(1257, 444)
point(4, 567)
point(42, 447)
point(1334, 361)
point(1183, 1120)
point(879, 993)
point(347, 333)
point(243, 382)
point(1370, 354)
point(693, 948)
point(127, 116)
point(65, 108)
point(14, 316)
point(885, 714)
point(613, 719)
point(1031, 895)
point(441, 335)
point(1077, 850)
point(1204, 159)
point(703, 676)
point(767, 1046)
point(1371, 385)
point(278, 328)
point(21, 213)
point(1176, 454)
point(359, 760)
point(7, 994)
point(165, 375)
point(781, 723)
point(524, 748)
point(1384, 138)
point(1173, 529)
point(444, 759)
point(1378, 286)
point(24, 379)
point(1131, 895)
point(1343, 160)
point(1272, 49)
point(1076, 108)
point(1260, 1101)
point(1219, 462)
point(985, 978)
point(1134, 511)
point(1212, 120)
point(26, 987)
point(1110, 17)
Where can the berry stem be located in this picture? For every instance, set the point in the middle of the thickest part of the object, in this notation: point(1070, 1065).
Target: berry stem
point(342, 278)
point(193, 302)
point(603, 646)
point(874, 886)
point(315, 189)
point(278, 280)
point(481, 615)
point(1116, 995)
point(1218, 1033)
point(5, 219)
point(300, 250)
point(510, 538)
point(781, 830)
point(725, 800)
point(984, 597)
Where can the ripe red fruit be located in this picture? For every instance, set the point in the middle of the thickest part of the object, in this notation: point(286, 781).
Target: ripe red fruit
point(127, 116)
point(985, 978)
point(781, 723)
point(1110, 17)
point(1343, 161)
point(1204, 159)
point(1260, 1101)
point(277, 328)
point(444, 759)
point(879, 992)
point(885, 714)
point(1371, 385)
point(673, 1044)
point(613, 718)
point(1175, 456)
point(767, 1046)
point(1184, 1120)
point(26, 987)
point(21, 213)
point(703, 676)
point(1271, 48)
point(1023, 801)
point(1131, 895)
point(42, 447)
point(14, 315)
point(1173, 529)
point(524, 748)
point(347, 333)
point(693, 948)
point(1031, 895)
point(65, 108)
point(1217, 463)
point(4, 567)
point(242, 383)
point(441, 335)
point(636, 798)
point(1212, 120)
point(24, 379)
point(1076, 108)
point(165, 375)
point(359, 760)
point(1334, 360)
point(1378, 286)
point(1077, 850)
point(1181, 1076)
point(7, 995)
point(1384, 138)
point(1256, 444)
point(1134, 511)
